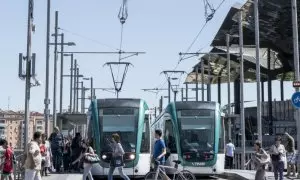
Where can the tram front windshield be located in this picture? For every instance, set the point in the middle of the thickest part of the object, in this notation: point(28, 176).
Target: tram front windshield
point(122, 121)
point(197, 133)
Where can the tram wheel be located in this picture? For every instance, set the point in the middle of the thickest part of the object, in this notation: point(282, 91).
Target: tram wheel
point(151, 176)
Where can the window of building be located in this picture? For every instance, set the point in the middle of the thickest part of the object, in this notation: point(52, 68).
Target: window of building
point(2, 121)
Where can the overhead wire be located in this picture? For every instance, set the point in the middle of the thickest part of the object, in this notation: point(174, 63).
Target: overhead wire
point(123, 15)
point(90, 39)
point(191, 45)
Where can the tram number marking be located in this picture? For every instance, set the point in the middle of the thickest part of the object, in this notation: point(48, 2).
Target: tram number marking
point(198, 163)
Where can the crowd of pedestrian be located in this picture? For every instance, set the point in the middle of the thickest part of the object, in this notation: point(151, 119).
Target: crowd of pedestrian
point(275, 157)
point(64, 154)
point(48, 155)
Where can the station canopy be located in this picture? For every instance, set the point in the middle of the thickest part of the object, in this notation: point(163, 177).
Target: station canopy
point(275, 34)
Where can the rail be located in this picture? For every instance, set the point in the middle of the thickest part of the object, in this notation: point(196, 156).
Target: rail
point(19, 172)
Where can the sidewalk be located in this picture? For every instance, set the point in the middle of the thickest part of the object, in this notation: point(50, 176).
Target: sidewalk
point(248, 175)
point(63, 177)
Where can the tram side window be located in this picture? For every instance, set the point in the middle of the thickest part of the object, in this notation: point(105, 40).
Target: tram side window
point(145, 148)
point(170, 137)
point(221, 136)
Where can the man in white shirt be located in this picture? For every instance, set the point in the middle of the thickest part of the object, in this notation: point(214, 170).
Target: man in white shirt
point(278, 153)
point(34, 158)
point(230, 148)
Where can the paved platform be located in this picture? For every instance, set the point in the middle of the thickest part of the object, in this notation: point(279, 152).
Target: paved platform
point(63, 177)
point(229, 174)
point(248, 175)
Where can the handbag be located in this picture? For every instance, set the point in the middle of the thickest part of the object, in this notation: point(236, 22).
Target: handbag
point(91, 158)
point(117, 161)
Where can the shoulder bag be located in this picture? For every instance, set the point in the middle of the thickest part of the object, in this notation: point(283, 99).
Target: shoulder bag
point(91, 158)
point(116, 161)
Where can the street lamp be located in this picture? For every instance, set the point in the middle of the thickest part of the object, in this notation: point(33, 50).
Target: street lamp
point(71, 82)
point(62, 44)
point(92, 89)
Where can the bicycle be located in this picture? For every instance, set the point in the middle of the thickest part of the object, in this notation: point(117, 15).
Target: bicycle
point(159, 173)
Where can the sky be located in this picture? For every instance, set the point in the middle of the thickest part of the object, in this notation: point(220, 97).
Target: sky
point(160, 28)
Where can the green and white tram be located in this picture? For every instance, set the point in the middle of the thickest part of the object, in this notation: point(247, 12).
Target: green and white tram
point(128, 118)
point(194, 134)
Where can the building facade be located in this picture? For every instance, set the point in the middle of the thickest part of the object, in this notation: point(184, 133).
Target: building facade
point(12, 126)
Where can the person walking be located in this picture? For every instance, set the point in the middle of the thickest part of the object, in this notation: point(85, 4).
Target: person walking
point(46, 155)
point(87, 166)
point(8, 161)
point(76, 151)
point(159, 151)
point(278, 153)
point(230, 148)
point(259, 160)
point(33, 159)
point(57, 145)
point(290, 154)
point(67, 155)
point(117, 158)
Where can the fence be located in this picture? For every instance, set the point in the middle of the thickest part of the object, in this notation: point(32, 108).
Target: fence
point(18, 166)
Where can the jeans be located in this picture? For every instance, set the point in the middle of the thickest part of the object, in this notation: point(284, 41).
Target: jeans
point(229, 161)
point(278, 167)
point(31, 174)
point(57, 159)
point(111, 171)
point(87, 171)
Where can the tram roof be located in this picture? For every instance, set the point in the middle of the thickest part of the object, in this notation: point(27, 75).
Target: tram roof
point(195, 105)
point(275, 33)
point(106, 103)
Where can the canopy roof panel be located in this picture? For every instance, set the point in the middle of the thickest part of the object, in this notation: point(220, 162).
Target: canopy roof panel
point(275, 34)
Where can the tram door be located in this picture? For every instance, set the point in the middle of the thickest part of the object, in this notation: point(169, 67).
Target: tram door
point(170, 143)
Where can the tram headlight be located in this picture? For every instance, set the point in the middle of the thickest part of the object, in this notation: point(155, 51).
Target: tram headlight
point(104, 156)
point(131, 156)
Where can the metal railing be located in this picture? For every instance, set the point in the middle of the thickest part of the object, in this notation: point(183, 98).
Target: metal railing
point(19, 171)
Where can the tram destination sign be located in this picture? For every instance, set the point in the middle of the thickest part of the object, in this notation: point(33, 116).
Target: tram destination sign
point(196, 112)
point(296, 84)
point(118, 111)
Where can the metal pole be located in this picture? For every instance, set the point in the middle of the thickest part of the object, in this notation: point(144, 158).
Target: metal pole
point(296, 64)
point(169, 89)
point(47, 100)
point(55, 70)
point(186, 91)
point(61, 74)
point(71, 82)
point(175, 95)
point(92, 89)
point(202, 78)
point(228, 84)
point(208, 91)
point(182, 95)
point(77, 90)
point(197, 83)
point(28, 73)
point(83, 127)
point(242, 115)
point(74, 86)
point(82, 97)
point(258, 89)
